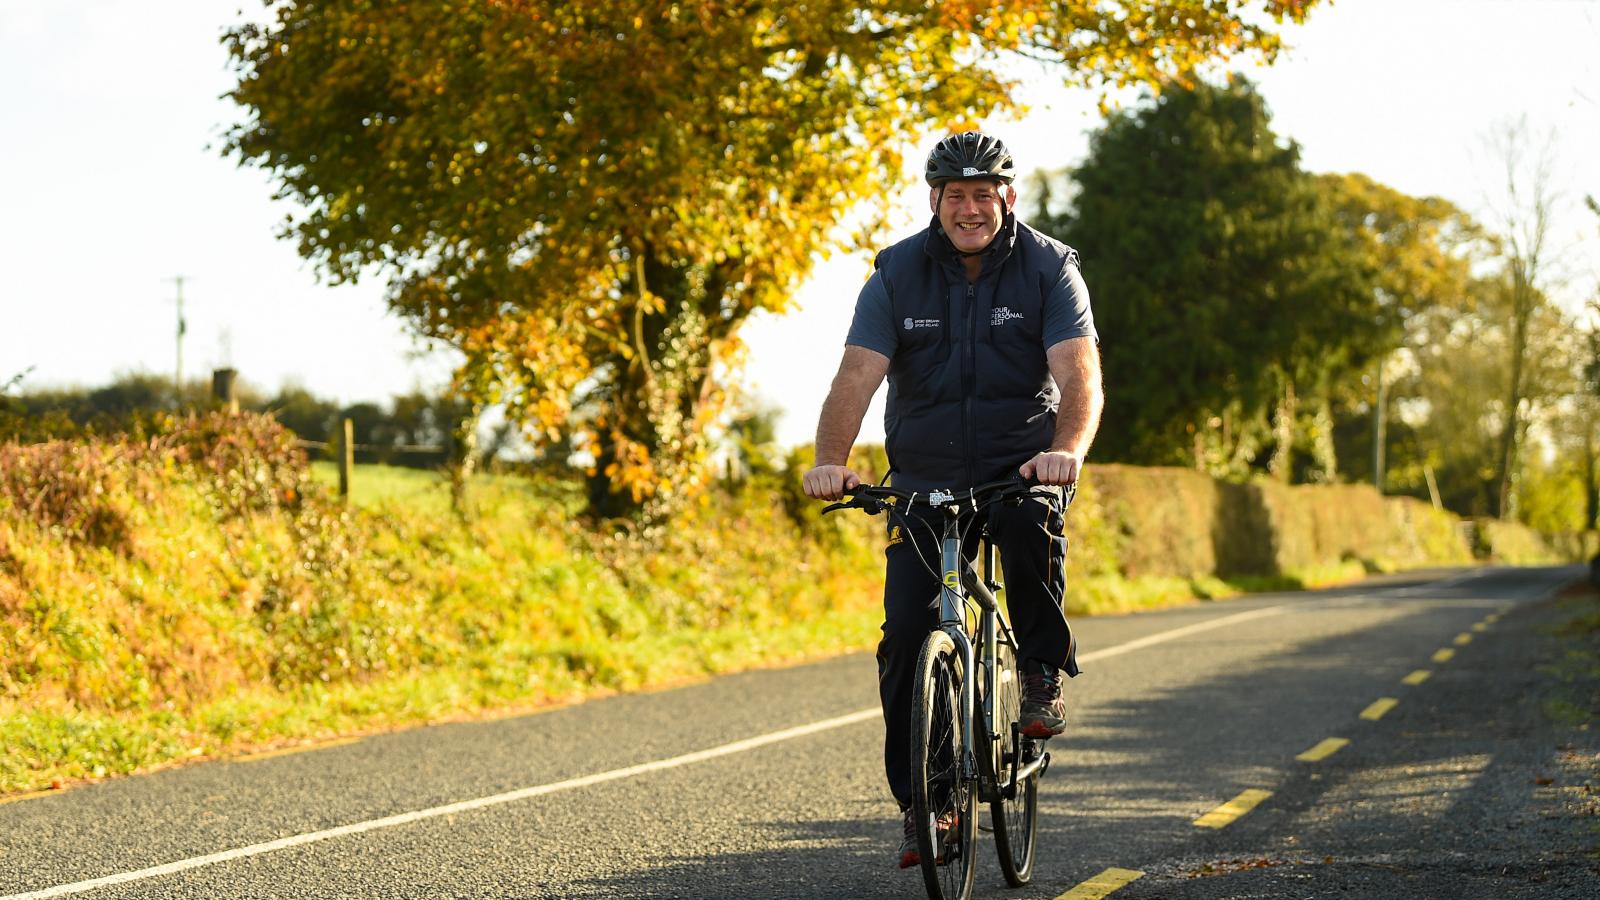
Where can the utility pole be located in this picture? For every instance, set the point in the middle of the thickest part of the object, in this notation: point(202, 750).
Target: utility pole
point(177, 379)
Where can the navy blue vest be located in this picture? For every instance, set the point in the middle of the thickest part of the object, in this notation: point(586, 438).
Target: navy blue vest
point(970, 392)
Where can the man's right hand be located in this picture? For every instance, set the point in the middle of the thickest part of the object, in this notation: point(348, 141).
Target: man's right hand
point(829, 482)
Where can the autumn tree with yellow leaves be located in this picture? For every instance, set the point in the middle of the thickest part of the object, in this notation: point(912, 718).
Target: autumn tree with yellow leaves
point(587, 198)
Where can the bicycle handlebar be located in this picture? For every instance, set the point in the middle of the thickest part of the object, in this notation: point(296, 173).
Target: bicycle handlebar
point(874, 499)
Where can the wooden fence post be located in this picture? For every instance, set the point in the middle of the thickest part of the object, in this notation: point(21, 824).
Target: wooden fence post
point(224, 387)
point(347, 457)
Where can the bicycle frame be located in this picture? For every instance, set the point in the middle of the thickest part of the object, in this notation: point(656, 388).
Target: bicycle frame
point(953, 621)
point(960, 581)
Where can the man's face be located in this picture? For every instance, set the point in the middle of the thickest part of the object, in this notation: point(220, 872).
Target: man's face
point(970, 211)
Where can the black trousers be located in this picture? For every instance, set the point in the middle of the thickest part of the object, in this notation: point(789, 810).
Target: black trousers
point(1033, 546)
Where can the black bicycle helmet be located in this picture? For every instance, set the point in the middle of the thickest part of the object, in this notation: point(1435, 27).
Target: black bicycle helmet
point(970, 154)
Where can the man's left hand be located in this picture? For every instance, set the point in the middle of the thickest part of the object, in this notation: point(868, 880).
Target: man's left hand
point(1053, 467)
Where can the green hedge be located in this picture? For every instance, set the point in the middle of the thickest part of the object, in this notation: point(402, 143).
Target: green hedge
point(1179, 523)
point(1513, 543)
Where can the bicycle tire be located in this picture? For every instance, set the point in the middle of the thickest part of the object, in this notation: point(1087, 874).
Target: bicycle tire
point(1015, 819)
point(939, 790)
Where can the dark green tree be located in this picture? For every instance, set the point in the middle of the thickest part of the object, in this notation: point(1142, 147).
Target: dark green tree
point(307, 415)
point(1226, 293)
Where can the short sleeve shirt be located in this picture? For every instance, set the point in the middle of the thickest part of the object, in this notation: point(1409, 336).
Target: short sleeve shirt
point(1067, 314)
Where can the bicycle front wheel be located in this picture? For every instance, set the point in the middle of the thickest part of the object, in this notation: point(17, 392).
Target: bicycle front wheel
point(944, 802)
point(1015, 817)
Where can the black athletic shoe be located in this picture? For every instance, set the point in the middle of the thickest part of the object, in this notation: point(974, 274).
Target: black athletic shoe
point(1044, 712)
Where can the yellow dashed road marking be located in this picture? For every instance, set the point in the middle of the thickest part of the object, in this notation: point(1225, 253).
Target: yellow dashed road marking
point(1463, 639)
point(1417, 677)
point(1101, 884)
point(1323, 750)
point(1492, 618)
point(28, 796)
point(1233, 809)
point(1480, 627)
point(286, 751)
point(1378, 708)
point(1444, 655)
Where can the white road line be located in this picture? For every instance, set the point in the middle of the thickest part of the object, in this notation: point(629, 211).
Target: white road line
point(1164, 636)
point(575, 783)
point(452, 808)
point(1441, 584)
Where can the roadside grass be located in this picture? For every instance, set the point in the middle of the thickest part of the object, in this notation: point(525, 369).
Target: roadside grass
point(174, 612)
point(1106, 594)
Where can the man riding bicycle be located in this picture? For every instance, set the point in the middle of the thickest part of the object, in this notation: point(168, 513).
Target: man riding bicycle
point(983, 327)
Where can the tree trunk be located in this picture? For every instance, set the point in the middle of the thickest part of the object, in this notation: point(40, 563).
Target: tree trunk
point(1327, 455)
point(463, 457)
point(617, 486)
point(1510, 431)
point(1379, 432)
point(1591, 487)
point(1282, 463)
point(605, 501)
point(649, 430)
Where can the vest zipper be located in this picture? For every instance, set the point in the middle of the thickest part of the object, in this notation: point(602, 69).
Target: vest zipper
point(969, 385)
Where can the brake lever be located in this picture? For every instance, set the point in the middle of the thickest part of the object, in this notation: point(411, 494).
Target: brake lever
point(1022, 491)
point(872, 506)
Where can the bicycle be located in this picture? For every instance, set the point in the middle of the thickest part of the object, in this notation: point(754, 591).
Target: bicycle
point(967, 744)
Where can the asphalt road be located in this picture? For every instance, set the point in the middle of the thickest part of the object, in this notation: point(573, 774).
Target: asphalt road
point(769, 784)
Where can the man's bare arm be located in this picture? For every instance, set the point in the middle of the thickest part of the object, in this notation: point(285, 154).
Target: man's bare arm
point(860, 373)
point(1075, 366)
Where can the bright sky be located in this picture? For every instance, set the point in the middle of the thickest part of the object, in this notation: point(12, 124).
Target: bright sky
point(109, 186)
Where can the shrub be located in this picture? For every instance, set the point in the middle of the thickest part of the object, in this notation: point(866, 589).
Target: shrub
point(67, 488)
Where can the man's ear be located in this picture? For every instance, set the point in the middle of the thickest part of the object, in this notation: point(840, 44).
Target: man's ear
point(933, 200)
point(1011, 197)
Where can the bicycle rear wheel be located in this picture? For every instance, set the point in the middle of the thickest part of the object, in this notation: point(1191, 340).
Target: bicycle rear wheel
point(1015, 818)
point(943, 801)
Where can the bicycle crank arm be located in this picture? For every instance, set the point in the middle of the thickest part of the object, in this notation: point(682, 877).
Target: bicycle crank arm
point(1023, 774)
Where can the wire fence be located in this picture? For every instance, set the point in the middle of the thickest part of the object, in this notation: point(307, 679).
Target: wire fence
point(344, 452)
point(330, 446)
